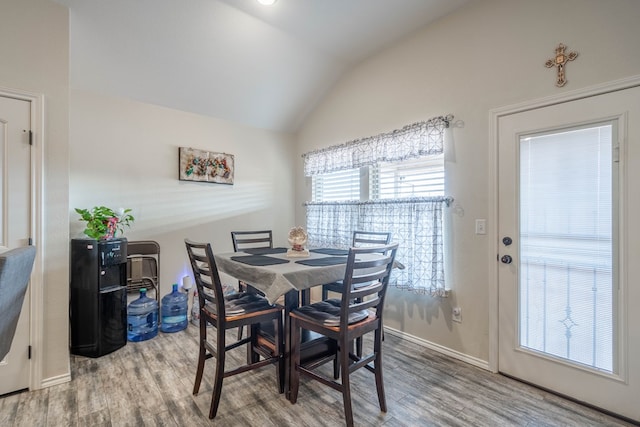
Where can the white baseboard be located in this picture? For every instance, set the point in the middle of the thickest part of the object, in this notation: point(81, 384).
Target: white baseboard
point(483, 364)
point(60, 379)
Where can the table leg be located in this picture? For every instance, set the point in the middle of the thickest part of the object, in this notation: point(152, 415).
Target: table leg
point(291, 301)
point(305, 296)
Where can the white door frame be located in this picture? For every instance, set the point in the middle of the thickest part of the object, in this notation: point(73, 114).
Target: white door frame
point(36, 291)
point(495, 115)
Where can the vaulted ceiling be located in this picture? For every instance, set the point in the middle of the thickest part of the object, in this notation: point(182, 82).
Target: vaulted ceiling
point(238, 60)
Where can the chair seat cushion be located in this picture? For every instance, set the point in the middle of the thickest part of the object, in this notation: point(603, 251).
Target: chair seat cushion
point(241, 303)
point(339, 286)
point(328, 313)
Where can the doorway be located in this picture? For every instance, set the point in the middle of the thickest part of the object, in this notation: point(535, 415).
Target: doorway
point(566, 247)
point(26, 195)
point(15, 168)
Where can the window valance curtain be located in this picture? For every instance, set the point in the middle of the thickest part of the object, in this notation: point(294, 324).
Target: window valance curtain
point(412, 141)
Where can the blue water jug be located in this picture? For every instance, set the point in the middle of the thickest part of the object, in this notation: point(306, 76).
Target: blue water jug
point(142, 318)
point(174, 311)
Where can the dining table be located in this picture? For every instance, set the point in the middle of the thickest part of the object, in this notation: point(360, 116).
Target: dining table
point(275, 273)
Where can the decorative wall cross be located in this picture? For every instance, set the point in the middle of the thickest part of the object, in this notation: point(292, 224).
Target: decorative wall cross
point(560, 61)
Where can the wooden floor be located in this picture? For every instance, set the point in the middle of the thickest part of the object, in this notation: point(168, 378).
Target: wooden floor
point(150, 383)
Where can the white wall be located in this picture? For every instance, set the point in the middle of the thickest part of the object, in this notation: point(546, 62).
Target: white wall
point(34, 47)
point(487, 55)
point(125, 154)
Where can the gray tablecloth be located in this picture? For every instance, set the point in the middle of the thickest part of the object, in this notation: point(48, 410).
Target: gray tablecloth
point(276, 280)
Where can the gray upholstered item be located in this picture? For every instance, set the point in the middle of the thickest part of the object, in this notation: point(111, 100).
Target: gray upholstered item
point(15, 270)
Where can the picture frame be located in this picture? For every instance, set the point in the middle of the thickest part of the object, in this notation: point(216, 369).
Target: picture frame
point(205, 166)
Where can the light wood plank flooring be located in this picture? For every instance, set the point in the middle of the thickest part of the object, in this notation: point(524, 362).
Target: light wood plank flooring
point(150, 383)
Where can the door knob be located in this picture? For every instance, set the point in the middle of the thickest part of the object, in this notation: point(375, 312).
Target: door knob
point(506, 259)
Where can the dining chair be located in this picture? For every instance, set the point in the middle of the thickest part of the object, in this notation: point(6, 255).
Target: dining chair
point(228, 312)
point(359, 239)
point(357, 313)
point(250, 240)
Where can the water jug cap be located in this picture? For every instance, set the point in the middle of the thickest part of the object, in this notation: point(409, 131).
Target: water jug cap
point(143, 290)
point(175, 287)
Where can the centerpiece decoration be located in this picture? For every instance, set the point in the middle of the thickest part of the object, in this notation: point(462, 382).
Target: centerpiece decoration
point(103, 223)
point(297, 239)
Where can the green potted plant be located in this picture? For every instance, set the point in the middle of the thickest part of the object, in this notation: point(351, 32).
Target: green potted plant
point(103, 222)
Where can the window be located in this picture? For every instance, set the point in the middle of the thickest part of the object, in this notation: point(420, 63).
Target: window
point(422, 177)
point(392, 182)
point(567, 275)
point(333, 186)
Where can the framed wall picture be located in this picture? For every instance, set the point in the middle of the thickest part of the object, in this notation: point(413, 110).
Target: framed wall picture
point(205, 166)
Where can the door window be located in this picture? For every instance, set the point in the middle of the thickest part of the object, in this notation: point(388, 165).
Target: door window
point(566, 292)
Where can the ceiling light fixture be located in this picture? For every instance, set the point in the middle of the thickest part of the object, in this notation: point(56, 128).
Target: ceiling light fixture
point(267, 2)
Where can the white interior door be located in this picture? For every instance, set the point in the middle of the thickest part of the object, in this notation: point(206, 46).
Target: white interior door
point(15, 214)
point(568, 275)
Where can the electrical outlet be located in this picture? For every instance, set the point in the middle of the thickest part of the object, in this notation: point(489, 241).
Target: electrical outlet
point(456, 314)
point(481, 226)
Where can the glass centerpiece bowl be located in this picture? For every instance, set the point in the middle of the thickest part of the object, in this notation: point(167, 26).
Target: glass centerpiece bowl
point(297, 239)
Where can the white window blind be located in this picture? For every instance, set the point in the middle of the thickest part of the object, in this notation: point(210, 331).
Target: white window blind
point(336, 186)
point(567, 282)
point(422, 177)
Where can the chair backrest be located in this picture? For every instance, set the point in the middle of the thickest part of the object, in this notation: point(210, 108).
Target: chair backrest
point(251, 239)
point(205, 274)
point(370, 238)
point(366, 280)
point(143, 247)
point(143, 264)
point(15, 271)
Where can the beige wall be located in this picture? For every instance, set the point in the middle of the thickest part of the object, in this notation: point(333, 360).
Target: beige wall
point(487, 55)
point(125, 154)
point(34, 48)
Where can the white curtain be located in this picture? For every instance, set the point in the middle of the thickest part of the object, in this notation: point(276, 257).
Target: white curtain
point(416, 224)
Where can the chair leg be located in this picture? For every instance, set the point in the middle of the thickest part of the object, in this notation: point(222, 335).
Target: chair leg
point(279, 353)
point(359, 340)
point(217, 382)
point(294, 373)
point(241, 288)
point(201, 358)
point(346, 387)
point(252, 355)
point(378, 371)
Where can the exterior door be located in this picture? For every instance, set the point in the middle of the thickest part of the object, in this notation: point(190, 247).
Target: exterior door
point(568, 254)
point(15, 229)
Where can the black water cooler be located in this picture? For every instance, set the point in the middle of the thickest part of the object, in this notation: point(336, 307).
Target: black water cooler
point(98, 296)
